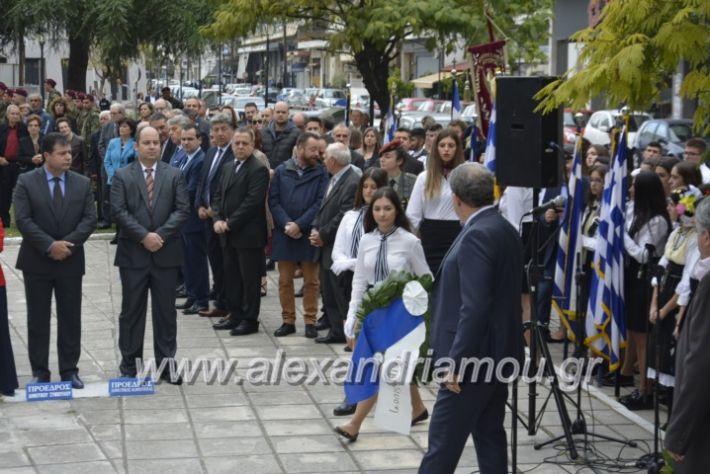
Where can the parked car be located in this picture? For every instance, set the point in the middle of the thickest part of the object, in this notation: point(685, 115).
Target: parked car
point(409, 104)
point(297, 98)
point(413, 121)
point(328, 97)
point(671, 133)
point(469, 114)
point(602, 121)
point(359, 98)
point(283, 93)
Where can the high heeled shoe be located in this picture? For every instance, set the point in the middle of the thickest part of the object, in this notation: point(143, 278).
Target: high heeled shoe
point(421, 417)
point(351, 438)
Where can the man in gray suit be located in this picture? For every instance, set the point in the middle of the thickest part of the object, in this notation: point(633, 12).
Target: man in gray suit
point(150, 203)
point(55, 212)
point(339, 198)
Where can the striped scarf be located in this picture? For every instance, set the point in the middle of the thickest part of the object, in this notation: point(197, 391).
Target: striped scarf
point(381, 267)
point(357, 233)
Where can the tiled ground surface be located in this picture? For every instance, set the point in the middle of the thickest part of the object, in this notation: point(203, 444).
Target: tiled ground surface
point(227, 428)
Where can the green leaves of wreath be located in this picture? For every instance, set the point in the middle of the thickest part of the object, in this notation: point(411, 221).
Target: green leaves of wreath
point(388, 290)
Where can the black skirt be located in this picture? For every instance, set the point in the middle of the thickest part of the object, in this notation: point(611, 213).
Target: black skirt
point(637, 296)
point(437, 237)
point(664, 331)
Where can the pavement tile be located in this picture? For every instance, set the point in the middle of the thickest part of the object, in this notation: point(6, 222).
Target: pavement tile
point(261, 464)
point(161, 431)
point(306, 444)
point(96, 467)
point(226, 429)
point(10, 459)
point(234, 446)
point(242, 413)
point(317, 462)
point(297, 427)
point(161, 449)
point(401, 459)
point(172, 466)
point(288, 412)
point(65, 453)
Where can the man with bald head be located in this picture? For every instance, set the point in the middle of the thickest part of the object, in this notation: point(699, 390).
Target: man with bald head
point(11, 132)
point(299, 120)
point(279, 137)
point(149, 201)
point(341, 134)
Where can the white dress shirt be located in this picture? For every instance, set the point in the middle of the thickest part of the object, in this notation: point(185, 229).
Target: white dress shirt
point(342, 260)
point(420, 207)
point(515, 203)
point(654, 232)
point(404, 253)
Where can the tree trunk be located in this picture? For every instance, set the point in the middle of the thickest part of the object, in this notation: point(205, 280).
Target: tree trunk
point(78, 63)
point(21, 59)
point(373, 64)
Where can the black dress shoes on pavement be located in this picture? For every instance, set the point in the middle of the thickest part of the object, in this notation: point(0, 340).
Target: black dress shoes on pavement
point(187, 304)
point(166, 377)
point(244, 328)
point(38, 380)
point(285, 330)
point(225, 324)
point(194, 309)
point(76, 382)
point(180, 292)
point(330, 339)
point(322, 324)
point(311, 332)
point(344, 409)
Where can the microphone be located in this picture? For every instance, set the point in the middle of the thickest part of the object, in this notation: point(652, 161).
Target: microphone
point(559, 201)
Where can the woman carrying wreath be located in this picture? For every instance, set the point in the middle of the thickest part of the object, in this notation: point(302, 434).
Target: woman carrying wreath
point(387, 246)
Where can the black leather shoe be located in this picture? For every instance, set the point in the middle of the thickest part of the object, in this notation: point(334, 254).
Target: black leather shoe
point(344, 409)
point(285, 330)
point(103, 225)
point(8, 393)
point(180, 292)
point(165, 377)
point(76, 382)
point(421, 417)
point(637, 401)
point(187, 304)
point(311, 331)
point(225, 324)
point(624, 380)
point(299, 293)
point(194, 309)
point(330, 339)
point(322, 324)
point(244, 328)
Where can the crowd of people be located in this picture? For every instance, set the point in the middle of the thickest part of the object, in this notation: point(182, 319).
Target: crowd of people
point(192, 190)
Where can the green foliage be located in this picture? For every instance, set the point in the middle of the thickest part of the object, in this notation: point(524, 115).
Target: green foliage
point(632, 54)
point(397, 86)
point(374, 29)
point(668, 467)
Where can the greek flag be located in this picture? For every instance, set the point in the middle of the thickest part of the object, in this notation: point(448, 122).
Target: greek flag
point(391, 125)
point(490, 160)
point(473, 143)
point(564, 290)
point(455, 102)
point(606, 328)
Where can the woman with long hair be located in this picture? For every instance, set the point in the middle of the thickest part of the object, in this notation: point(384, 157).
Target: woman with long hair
point(431, 207)
point(371, 145)
point(8, 372)
point(60, 108)
point(644, 242)
point(30, 156)
point(684, 174)
point(388, 245)
point(145, 110)
point(595, 154)
point(393, 157)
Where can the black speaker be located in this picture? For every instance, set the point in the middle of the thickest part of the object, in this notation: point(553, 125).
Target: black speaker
point(528, 143)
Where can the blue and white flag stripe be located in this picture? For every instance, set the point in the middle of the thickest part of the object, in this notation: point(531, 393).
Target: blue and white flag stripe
point(490, 160)
point(606, 328)
point(564, 290)
point(391, 125)
point(455, 101)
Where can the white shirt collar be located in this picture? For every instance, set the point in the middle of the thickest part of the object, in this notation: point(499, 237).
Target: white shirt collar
point(470, 218)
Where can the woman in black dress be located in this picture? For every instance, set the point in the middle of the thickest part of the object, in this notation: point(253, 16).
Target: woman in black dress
point(8, 373)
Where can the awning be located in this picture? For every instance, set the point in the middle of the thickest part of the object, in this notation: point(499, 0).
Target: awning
point(427, 82)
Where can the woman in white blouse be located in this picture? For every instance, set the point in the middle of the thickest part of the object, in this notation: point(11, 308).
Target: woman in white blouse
point(431, 206)
point(387, 246)
point(650, 227)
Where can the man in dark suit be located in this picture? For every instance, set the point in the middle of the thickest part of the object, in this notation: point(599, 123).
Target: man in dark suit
point(150, 204)
point(339, 198)
point(687, 437)
point(167, 148)
point(476, 314)
point(194, 236)
point(54, 210)
point(215, 158)
point(240, 221)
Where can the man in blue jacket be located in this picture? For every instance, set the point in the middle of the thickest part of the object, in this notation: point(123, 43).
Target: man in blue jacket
point(297, 189)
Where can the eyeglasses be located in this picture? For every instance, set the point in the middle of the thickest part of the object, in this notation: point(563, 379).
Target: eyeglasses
point(692, 153)
point(258, 121)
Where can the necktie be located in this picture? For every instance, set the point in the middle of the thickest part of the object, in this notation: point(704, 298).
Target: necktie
point(393, 184)
point(330, 186)
point(237, 166)
point(149, 183)
point(57, 197)
point(381, 267)
point(214, 165)
point(357, 233)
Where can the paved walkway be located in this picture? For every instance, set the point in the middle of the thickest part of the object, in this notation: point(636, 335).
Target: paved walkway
point(223, 428)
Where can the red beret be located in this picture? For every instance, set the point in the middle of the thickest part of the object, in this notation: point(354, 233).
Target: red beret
point(391, 146)
point(3, 87)
point(90, 97)
point(51, 82)
point(81, 96)
point(71, 94)
point(21, 91)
